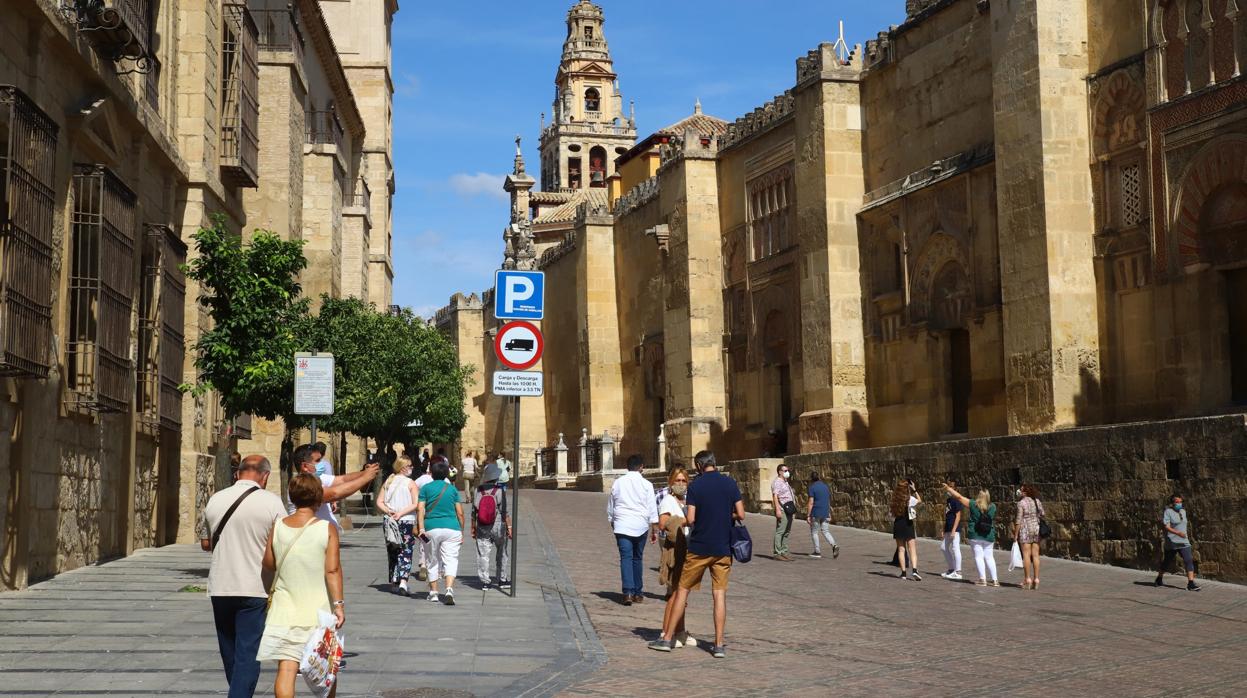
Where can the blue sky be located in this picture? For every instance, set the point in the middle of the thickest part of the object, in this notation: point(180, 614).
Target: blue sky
point(469, 77)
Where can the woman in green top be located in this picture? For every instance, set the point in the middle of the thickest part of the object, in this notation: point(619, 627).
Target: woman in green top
point(439, 525)
point(982, 532)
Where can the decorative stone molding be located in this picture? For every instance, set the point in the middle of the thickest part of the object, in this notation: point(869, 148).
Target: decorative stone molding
point(661, 235)
point(637, 197)
point(937, 171)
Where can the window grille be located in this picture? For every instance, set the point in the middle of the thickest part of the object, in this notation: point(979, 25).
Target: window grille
point(323, 127)
point(242, 426)
point(27, 200)
point(1131, 196)
point(172, 337)
point(101, 291)
point(771, 212)
point(240, 106)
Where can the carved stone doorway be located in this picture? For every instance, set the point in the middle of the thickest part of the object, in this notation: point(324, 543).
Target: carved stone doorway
point(960, 381)
point(1236, 305)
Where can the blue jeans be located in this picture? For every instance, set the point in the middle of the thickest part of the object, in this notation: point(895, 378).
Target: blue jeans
point(239, 625)
point(631, 567)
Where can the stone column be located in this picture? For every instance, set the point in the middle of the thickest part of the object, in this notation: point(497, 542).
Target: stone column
point(606, 453)
point(662, 447)
point(601, 372)
point(1051, 342)
point(830, 185)
point(693, 308)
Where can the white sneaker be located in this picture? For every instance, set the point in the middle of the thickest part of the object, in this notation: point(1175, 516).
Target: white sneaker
point(951, 575)
point(685, 640)
point(432, 597)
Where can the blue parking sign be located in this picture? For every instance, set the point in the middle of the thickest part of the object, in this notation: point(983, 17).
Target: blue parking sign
point(519, 295)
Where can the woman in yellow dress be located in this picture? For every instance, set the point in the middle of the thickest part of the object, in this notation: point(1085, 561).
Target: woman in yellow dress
point(303, 550)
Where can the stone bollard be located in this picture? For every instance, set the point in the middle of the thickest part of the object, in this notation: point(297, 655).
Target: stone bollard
point(607, 452)
point(560, 457)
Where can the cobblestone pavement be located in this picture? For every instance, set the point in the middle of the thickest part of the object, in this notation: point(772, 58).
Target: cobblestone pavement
point(124, 628)
point(850, 627)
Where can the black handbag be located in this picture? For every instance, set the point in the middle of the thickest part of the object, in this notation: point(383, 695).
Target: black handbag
point(1045, 531)
point(789, 507)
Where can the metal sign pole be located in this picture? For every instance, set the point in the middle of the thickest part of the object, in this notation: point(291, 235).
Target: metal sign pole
point(515, 500)
point(313, 430)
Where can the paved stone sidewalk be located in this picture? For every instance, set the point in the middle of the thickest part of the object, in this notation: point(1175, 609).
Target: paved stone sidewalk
point(124, 628)
point(850, 627)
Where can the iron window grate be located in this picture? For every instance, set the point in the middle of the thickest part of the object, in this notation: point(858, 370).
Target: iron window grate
point(27, 202)
point(98, 369)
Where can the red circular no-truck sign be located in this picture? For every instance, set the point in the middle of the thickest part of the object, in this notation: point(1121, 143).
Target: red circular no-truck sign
point(518, 345)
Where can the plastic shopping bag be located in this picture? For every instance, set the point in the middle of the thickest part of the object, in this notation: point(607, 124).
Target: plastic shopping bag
point(1015, 558)
point(322, 656)
point(943, 544)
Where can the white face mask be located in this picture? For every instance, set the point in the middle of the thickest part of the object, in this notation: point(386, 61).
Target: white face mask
point(785, 474)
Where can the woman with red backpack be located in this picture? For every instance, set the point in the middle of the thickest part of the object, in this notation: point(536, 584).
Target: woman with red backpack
point(491, 527)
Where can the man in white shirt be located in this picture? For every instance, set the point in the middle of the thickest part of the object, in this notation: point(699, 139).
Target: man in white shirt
point(633, 513)
point(237, 524)
point(337, 487)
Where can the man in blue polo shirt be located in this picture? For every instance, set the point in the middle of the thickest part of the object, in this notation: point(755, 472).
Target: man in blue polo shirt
point(818, 514)
point(714, 505)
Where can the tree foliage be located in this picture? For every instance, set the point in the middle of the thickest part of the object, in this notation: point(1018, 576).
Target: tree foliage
point(392, 371)
point(252, 293)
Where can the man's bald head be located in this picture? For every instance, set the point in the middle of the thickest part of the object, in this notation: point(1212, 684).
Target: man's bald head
point(254, 467)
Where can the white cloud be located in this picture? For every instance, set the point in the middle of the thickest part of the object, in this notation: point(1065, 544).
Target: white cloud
point(479, 184)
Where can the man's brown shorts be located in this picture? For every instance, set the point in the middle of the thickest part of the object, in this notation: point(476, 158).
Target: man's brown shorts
point(695, 567)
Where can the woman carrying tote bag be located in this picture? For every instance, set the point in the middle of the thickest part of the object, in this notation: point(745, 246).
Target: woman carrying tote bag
point(303, 551)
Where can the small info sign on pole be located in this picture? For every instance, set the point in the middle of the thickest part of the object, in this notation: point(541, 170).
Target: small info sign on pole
point(313, 385)
point(518, 383)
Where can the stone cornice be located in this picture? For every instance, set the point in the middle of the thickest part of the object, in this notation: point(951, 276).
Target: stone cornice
point(318, 30)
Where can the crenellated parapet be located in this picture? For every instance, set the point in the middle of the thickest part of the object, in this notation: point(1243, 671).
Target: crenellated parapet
point(879, 49)
point(829, 62)
point(690, 146)
point(593, 212)
point(570, 241)
point(458, 302)
point(760, 120)
point(637, 197)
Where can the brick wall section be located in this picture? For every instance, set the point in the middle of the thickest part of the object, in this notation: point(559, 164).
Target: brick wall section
point(1103, 488)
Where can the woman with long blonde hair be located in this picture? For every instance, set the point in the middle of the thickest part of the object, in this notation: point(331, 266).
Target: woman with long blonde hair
point(981, 532)
point(903, 505)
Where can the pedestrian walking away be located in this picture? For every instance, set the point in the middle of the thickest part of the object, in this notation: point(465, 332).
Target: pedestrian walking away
point(673, 541)
point(904, 505)
point(632, 514)
point(303, 554)
point(399, 501)
point(491, 528)
point(439, 522)
point(335, 487)
point(952, 533)
point(1177, 542)
point(981, 532)
point(784, 502)
point(420, 471)
point(389, 529)
point(1026, 532)
point(818, 514)
point(237, 523)
point(713, 504)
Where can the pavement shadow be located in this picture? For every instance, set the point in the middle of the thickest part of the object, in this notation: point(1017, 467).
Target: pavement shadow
point(614, 596)
point(1153, 585)
point(201, 572)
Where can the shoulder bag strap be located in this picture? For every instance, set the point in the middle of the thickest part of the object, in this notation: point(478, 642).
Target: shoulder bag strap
point(438, 498)
point(277, 569)
point(216, 535)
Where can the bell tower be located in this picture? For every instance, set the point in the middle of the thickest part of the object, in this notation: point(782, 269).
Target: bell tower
point(588, 128)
